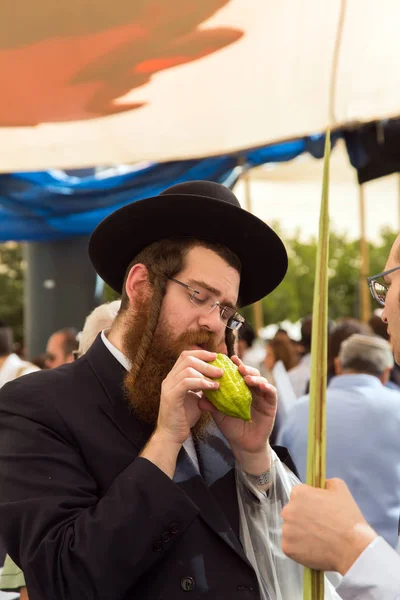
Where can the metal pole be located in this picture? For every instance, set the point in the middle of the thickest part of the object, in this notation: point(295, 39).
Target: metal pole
point(257, 306)
point(364, 292)
point(398, 199)
point(60, 289)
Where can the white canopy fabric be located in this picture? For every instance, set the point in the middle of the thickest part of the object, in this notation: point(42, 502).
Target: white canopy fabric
point(290, 193)
point(88, 83)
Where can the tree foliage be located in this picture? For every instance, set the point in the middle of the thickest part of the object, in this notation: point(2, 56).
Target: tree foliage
point(12, 268)
point(291, 300)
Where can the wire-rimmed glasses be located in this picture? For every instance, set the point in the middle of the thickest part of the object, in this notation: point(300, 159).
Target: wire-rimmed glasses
point(379, 289)
point(202, 298)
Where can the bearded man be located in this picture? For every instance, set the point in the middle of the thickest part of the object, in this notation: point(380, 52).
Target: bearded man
point(117, 474)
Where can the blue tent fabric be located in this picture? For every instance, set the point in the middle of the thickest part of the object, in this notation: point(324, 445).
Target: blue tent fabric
point(53, 205)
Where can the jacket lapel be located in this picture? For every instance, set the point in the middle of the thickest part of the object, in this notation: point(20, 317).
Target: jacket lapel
point(215, 459)
point(111, 374)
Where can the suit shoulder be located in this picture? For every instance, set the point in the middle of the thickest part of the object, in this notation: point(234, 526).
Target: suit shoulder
point(46, 387)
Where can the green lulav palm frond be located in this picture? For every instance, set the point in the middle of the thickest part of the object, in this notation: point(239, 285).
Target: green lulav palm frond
point(316, 453)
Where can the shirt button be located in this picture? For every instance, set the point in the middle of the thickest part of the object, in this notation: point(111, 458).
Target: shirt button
point(157, 546)
point(174, 528)
point(187, 584)
point(165, 537)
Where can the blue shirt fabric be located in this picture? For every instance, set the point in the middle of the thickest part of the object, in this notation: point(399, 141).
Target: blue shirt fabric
point(363, 445)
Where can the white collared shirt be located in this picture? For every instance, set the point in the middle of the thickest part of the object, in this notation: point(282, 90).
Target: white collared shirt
point(374, 576)
point(14, 367)
point(126, 363)
point(299, 376)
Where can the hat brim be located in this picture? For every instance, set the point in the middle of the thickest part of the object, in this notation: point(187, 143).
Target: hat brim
point(123, 234)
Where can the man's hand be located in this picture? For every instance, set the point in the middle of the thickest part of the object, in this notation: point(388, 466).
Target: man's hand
point(249, 440)
point(179, 402)
point(179, 407)
point(324, 529)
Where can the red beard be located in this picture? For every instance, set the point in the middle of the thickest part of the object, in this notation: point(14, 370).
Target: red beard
point(143, 392)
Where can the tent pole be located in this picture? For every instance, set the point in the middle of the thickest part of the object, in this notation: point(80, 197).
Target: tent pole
point(257, 306)
point(398, 199)
point(364, 292)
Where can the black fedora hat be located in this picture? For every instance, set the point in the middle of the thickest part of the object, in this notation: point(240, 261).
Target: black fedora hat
point(197, 209)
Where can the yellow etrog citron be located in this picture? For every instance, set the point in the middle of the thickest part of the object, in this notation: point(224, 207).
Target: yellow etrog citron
point(233, 397)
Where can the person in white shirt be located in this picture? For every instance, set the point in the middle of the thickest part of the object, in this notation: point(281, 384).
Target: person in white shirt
point(11, 365)
point(300, 375)
point(345, 542)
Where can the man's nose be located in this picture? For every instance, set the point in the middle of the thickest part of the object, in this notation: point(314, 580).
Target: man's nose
point(383, 315)
point(211, 320)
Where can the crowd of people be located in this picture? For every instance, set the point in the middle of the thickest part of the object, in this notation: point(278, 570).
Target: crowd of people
point(118, 475)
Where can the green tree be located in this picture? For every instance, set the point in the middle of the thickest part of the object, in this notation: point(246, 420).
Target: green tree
point(109, 295)
point(291, 300)
point(294, 297)
point(12, 268)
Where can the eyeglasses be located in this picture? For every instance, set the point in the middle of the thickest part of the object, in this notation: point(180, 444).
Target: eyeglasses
point(379, 289)
point(202, 298)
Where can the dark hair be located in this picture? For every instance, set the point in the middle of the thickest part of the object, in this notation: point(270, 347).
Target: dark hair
point(247, 334)
point(306, 329)
point(6, 339)
point(164, 259)
point(342, 331)
point(281, 330)
point(379, 327)
point(69, 342)
point(283, 350)
point(40, 361)
point(306, 332)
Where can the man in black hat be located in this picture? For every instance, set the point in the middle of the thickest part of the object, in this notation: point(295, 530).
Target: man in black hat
point(116, 481)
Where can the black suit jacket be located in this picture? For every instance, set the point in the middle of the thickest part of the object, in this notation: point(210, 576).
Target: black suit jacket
point(87, 518)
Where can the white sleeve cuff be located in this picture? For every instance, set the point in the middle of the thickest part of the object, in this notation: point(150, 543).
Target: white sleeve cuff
point(374, 576)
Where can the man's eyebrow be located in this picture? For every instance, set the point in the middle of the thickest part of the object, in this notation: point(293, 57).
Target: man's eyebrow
point(212, 290)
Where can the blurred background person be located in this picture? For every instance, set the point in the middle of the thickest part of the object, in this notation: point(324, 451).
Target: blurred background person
point(60, 347)
point(40, 360)
point(280, 356)
point(300, 375)
point(281, 334)
point(363, 424)
point(278, 349)
point(101, 318)
point(11, 365)
point(250, 349)
point(343, 330)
